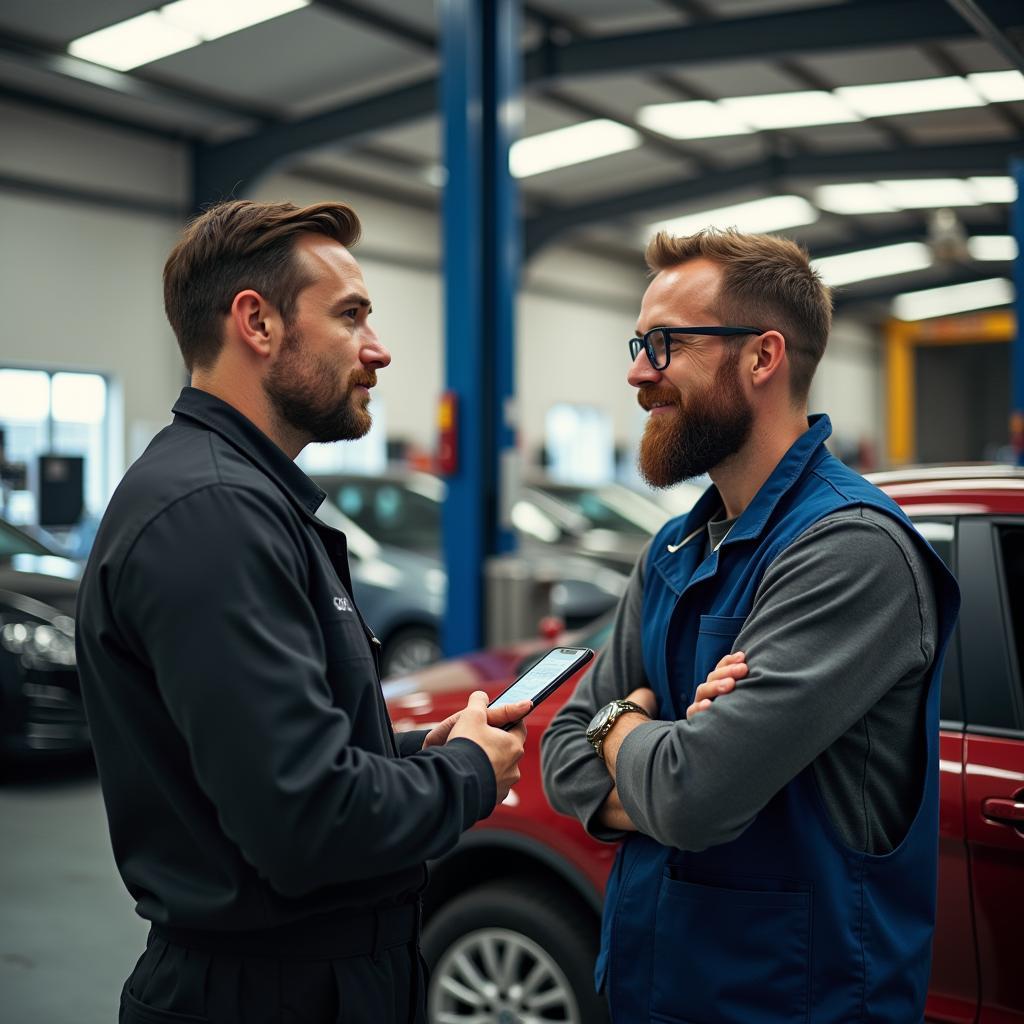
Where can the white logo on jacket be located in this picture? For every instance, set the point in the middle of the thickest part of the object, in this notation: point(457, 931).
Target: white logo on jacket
point(343, 604)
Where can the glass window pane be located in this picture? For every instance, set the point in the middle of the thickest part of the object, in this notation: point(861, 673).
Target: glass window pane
point(79, 397)
point(941, 534)
point(24, 395)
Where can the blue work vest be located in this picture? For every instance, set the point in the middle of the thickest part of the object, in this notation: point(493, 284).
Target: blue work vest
point(785, 923)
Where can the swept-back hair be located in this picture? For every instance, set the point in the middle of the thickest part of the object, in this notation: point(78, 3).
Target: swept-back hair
point(238, 245)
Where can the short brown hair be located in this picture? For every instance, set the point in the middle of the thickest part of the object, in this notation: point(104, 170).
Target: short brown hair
point(238, 245)
point(767, 282)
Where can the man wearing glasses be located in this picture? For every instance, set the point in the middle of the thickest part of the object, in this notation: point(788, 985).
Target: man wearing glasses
point(779, 845)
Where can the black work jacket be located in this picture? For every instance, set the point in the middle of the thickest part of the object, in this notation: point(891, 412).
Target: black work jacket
point(249, 769)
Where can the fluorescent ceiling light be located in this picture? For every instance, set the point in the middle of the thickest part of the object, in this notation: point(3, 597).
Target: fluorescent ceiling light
point(211, 19)
point(955, 298)
point(883, 261)
point(789, 109)
point(994, 189)
point(929, 193)
point(696, 119)
point(172, 28)
point(855, 198)
point(913, 194)
point(889, 98)
point(992, 247)
point(998, 86)
point(761, 215)
point(575, 144)
point(133, 42)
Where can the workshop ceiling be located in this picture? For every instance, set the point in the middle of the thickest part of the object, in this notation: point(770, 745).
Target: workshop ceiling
point(365, 72)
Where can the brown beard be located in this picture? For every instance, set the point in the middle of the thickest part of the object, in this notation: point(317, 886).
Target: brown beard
point(304, 393)
point(690, 441)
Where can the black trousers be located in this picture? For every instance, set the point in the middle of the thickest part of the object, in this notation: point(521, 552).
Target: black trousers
point(362, 972)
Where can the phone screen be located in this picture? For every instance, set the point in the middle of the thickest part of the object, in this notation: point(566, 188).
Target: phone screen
point(554, 664)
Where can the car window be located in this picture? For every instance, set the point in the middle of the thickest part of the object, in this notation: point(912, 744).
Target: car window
point(392, 514)
point(1011, 549)
point(597, 510)
point(941, 534)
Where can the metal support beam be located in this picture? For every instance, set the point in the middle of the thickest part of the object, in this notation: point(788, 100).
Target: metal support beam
point(480, 100)
point(222, 168)
point(982, 158)
point(840, 27)
point(1017, 359)
point(980, 21)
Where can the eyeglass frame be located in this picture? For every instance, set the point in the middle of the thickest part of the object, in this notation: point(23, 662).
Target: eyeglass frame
point(642, 342)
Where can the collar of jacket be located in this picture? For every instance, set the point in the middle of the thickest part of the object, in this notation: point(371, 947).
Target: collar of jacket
point(243, 434)
point(754, 517)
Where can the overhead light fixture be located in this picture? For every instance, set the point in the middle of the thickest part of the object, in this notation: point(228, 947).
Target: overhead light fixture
point(996, 189)
point(575, 144)
point(954, 298)
point(695, 119)
point(998, 86)
point(138, 40)
point(173, 28)
point(855, 198)
point(886, 99)
point(992, 247)
point(929, 193)
point(790, 109)
point(864, 197)
point(776, 213)
point(883, 261)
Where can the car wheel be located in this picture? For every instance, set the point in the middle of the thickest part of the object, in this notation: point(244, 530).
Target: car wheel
point(506, 954)
point(410, 649)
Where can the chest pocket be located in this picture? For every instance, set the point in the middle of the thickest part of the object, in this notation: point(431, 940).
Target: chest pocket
point(715, 639)
point(352, 677)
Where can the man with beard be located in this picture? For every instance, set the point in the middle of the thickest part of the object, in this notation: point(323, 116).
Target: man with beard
point(264, 816)
point(761, 731)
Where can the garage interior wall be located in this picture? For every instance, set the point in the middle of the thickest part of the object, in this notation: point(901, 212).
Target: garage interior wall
point(81, 290)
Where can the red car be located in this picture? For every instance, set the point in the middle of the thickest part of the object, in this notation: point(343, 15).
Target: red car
point(512, 915)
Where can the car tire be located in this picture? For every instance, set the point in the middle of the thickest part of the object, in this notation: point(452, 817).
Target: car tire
point(409, 649)
point(509, 952)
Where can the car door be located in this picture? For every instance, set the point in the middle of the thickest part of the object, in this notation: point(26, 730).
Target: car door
point(953, 988)
point(991, 556)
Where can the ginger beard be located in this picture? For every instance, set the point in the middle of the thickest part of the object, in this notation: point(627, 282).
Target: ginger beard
point(696, 436)
point(307, 395)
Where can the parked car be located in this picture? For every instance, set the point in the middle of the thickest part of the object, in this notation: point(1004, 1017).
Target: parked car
point(607, 522)
point(393, 523)
point(40, 701)
point(511, 916)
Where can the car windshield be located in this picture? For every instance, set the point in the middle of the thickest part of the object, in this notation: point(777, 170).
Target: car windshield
point(609, 509)
point(14, 542)
point(391, 513)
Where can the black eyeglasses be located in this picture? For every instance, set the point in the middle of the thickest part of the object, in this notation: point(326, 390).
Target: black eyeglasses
point(658, 342)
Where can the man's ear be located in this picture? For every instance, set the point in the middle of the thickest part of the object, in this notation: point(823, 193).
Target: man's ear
point(769, 355)
point(252, 319)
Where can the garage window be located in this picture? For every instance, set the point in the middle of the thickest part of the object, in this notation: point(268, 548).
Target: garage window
point(45, 412)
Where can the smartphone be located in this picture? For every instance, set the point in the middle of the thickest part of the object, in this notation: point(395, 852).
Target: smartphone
point(540, 681)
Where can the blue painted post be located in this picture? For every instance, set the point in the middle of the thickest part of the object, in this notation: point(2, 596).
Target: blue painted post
point(479, 97)
point(1017, 223)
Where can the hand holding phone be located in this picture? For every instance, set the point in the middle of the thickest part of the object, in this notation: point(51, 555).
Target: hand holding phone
point(542, 679)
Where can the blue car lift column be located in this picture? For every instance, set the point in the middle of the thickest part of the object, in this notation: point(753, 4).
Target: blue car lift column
point(1017, 225)
point(480, 98)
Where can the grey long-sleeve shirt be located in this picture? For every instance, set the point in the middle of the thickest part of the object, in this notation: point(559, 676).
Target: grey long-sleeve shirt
point(839, 644)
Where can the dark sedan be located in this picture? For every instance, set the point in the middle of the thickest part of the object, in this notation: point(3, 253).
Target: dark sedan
point(40, 702)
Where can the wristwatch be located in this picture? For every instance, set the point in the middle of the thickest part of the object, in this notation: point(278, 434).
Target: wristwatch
point(601, 724)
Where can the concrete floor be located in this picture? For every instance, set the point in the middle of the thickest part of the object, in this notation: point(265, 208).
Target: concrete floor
point(69, 935)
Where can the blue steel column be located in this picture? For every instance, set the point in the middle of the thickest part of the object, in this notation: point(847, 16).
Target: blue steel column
point(479, 94)
point(1017, 223)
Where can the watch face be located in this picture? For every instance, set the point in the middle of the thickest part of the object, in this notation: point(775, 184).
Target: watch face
point(599, 720)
